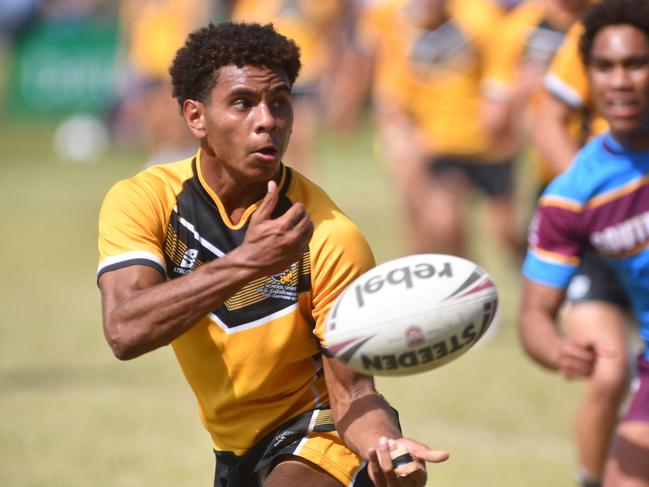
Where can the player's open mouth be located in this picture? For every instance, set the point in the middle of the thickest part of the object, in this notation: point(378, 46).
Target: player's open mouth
point(268, 152)
point(622, 108)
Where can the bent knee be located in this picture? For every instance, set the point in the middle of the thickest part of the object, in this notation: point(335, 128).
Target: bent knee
point(611, 380)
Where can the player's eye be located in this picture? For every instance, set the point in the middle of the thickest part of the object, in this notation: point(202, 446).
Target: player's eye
point(638, 63)
point(242, 103)
point(280, 102)
point(602, 66)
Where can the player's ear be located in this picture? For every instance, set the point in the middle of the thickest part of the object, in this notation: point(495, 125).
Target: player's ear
point(193, 113)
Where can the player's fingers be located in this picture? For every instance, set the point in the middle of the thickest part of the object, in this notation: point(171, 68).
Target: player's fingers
point(268, 204)
point(409, 472)
point(383, 453)
point(573, 368)
point(420, 451)
point(374, 468)
point(304, 229)
point(434, 456)
point(575, 350)
point(293, 215)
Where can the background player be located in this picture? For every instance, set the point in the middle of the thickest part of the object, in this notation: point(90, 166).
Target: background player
point(428, 57)
point(150, 34)
point(234, 259)
point(523, 47)
point(597, 306)
point(592, 206)
point(519, 55)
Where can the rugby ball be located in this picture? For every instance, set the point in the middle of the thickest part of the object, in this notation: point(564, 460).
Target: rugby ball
point(410, 315)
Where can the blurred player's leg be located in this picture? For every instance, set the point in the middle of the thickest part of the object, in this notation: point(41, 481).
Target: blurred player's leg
point(597, 414)
point(439, 216)
point(502, 217)
point(628, 464)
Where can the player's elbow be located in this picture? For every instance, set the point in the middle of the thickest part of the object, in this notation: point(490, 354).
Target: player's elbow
point(122, 345)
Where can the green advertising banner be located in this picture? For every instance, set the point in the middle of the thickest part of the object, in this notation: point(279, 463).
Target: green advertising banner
point(62, 67)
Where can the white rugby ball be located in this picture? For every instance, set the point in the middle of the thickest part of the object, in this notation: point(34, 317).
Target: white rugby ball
point(411, 314)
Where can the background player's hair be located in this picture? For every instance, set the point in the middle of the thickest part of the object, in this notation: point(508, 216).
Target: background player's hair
point(612, 12)
point(194, 69)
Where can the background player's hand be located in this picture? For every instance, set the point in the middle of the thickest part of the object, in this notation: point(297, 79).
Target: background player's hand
point(577, 357)
point(273, 244)
point(383, 472)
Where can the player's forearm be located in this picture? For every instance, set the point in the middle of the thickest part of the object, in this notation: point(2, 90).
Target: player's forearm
point(361, 414)
point(364, 420)
point(155, 316)
point(540, 337)
point(551, 138)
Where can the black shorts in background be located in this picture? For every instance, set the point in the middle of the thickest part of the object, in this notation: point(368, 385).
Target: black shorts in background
point(494, 179)
point(596, 280)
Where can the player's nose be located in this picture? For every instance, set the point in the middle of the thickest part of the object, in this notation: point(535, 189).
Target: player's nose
point(265, 120)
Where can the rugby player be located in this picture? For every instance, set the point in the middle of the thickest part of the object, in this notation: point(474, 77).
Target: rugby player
point(429, 57)
point(523, 49)
point(599, 205)
point(234, 260)
point(519, 54)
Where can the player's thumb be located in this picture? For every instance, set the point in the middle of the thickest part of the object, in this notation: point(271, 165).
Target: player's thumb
point(267, 205)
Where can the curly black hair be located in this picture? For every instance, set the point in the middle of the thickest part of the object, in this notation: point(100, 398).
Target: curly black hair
point(194, 70)
point(612, 12)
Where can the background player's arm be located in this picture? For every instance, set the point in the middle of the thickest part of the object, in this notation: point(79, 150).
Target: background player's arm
point(551, 136)
point(141, 312)
point(537, 322)
point(542, 340)
point(363, 417)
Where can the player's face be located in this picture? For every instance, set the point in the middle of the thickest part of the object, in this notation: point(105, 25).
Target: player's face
point(248, 120)
point(619, 74)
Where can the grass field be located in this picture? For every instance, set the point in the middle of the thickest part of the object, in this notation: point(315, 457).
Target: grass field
point(73, 416)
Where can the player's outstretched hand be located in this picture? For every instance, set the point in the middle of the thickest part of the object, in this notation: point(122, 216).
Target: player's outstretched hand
point(272, 244)
point(577, 357)
point(401, 462)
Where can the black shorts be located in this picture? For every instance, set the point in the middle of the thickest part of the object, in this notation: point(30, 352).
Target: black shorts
point(495, 179)
point(250, 469)
point(596, 280)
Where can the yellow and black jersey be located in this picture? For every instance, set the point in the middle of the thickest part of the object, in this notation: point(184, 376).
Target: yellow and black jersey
point(434, 74)
point(523, 36)
point(255, 361)
point(307, 22)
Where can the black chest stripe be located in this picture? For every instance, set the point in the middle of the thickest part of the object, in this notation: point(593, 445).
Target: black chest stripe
point(197, 234)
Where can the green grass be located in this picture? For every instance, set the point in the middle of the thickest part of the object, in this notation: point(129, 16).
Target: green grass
point(72, 415)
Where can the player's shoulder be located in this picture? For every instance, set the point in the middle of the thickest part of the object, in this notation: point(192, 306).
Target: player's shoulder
point(155, 180)
point(333, 229)
point(581, 180)
point(317, 202)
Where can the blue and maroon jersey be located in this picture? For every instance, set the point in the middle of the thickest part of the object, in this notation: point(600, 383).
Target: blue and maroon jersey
point(600, 204)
